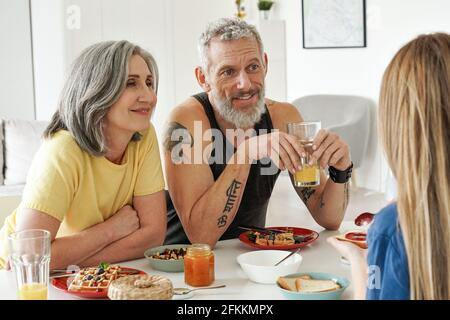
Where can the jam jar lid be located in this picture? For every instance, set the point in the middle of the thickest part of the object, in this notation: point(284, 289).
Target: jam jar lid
point(199, 249)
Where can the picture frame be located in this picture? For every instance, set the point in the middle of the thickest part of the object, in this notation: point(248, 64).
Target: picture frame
point(334, 24)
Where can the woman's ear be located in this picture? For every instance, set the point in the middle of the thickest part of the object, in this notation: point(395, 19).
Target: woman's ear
point(201, 79)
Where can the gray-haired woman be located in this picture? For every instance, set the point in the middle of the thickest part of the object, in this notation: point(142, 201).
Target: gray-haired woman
point(96, 183)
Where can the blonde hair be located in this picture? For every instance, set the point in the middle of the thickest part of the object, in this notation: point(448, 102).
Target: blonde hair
point(414, 124)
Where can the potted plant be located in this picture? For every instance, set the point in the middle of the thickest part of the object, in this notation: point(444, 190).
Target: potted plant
point(240, 9)
point(264, 7)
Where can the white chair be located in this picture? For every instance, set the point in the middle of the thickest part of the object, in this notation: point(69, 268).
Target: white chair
point(347, 116)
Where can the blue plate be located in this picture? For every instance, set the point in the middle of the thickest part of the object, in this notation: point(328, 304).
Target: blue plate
point(329, 295)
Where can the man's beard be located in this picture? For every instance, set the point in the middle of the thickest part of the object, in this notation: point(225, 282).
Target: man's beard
point(242, 120)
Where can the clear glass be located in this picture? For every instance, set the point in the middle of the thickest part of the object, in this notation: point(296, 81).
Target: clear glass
point(199, 265)
point(305, 132)
point(30, 260)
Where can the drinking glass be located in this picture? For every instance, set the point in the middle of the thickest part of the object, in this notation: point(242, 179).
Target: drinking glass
point(30, 260)
point(305, 132)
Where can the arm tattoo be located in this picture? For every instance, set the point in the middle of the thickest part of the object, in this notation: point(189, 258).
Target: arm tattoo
point(346, 196)
point(306, 193)
point(232, 195)
point(175, 137)
point(322, 203)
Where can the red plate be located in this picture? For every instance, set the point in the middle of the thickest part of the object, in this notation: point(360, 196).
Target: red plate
point(297, 232)
point(356, 236)
point(64, 282)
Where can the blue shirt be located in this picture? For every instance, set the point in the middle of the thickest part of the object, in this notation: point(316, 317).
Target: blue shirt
point(386, 258)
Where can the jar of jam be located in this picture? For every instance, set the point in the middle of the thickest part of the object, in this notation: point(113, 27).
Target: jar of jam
point(199, 265)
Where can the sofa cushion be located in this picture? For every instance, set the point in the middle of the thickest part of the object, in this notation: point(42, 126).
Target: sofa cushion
point(11, 191)
point(1, 152)
point(22, 140)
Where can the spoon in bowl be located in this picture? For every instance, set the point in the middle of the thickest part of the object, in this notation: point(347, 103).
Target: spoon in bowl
point(290, 254)
point(185, 291)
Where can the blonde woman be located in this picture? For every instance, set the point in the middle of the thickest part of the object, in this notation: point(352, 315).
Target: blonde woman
point(96, 183)
point(409, 241)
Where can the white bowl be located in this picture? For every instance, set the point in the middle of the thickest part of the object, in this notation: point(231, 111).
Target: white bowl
point(259, 266)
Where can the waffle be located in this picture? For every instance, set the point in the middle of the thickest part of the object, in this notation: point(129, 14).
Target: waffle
point(94, 278)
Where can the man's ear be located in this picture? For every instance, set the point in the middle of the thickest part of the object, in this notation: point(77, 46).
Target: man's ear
point(201, 79)
point(266, 62)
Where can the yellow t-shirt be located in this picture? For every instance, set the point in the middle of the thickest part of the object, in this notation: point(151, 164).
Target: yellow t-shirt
point(81, 190)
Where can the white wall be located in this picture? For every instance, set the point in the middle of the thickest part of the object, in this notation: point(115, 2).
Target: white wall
point(16, 72)
point(390, 24)
point(49, 54)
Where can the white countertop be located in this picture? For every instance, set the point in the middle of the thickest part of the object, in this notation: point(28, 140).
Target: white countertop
point(317, 257)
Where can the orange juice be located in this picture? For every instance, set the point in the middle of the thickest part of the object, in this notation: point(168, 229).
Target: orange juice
point(308, 176)
point(33, 291)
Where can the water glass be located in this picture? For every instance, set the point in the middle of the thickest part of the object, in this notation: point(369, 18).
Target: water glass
point(30, 260)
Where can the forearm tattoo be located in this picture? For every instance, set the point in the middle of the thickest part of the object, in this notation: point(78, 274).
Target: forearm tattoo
point(322, 203)
point(306, 193)
point(175, 137)
point(346, 196)
point(232, 195)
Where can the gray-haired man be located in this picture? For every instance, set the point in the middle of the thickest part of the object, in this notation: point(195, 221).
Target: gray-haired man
point(217, 172)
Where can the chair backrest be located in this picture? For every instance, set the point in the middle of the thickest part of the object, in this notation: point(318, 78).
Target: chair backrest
point(348, 116)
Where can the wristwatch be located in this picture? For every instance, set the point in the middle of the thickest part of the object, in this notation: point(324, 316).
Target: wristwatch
point(340, 176)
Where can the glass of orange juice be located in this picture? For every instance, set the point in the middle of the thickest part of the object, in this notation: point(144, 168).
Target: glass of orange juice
point(305, 132)
point(30, 260)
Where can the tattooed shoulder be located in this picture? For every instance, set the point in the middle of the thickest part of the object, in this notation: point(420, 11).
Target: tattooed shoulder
point(270, 102)
point(175, 134)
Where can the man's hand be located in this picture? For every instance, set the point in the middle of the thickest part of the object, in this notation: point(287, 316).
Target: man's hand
point(283, 149)
point(331, 150)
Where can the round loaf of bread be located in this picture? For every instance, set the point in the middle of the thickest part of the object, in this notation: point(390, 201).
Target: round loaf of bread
point(141, 287)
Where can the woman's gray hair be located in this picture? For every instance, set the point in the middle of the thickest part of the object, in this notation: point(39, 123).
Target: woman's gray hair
point(96, 81)
point(226, 29)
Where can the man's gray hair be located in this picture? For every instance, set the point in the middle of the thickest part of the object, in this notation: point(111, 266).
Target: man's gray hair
point(97, 79)
point(226, 29)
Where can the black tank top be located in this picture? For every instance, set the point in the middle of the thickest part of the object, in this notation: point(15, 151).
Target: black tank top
point(253, 207)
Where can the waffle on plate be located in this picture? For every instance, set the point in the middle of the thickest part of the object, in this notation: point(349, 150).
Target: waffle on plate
point(95, 278)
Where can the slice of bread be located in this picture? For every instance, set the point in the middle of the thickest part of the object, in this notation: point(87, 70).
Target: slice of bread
point(312, 285)
point(289, 283)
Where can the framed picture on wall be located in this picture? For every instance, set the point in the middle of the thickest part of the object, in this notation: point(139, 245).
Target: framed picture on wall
point(334, 24)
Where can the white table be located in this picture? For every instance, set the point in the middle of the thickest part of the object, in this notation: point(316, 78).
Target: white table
point(318, 257)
